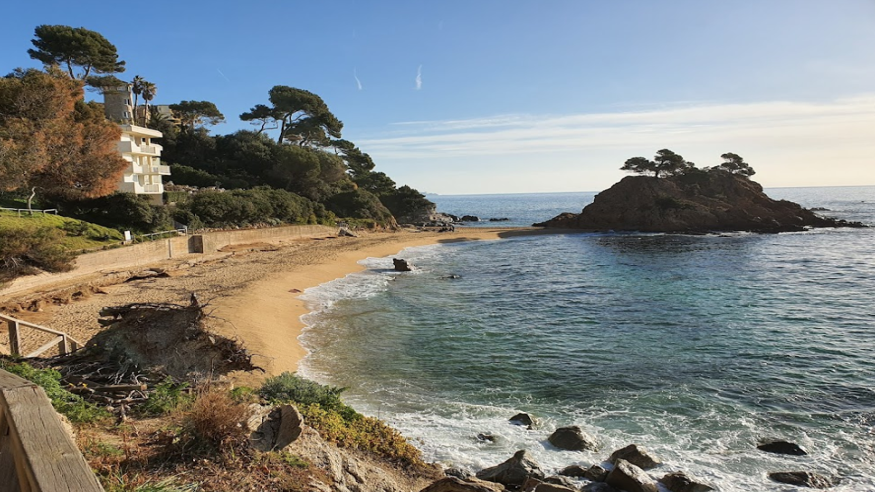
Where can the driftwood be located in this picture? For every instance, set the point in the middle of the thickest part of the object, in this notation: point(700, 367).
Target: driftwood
point(121, 367)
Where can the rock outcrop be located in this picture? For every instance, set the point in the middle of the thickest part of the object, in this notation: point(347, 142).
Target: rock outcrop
point(513, 472)
point(802, 479)
point(700, 201)
point(572, 438)
point(628, 477)
point(681, 482)
point(638, 456)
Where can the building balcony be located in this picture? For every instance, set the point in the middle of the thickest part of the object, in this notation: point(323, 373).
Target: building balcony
point(128, 147)
point(137, 188)
point(159, 170)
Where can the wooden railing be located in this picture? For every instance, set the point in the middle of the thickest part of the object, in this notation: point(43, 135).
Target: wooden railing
point(64, 342)
point(36, 452)
point(31, 211)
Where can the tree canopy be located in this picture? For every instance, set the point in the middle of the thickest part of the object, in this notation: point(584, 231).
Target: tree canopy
point(735, 164)
point(665, 163)
point(301, 116)
point(193, 114)
point(75, 47)
point(51, 140)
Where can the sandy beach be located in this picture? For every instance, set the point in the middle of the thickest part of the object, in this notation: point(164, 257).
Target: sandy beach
point(252, 291)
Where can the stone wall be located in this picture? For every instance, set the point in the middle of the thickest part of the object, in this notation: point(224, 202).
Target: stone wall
point(144, 254)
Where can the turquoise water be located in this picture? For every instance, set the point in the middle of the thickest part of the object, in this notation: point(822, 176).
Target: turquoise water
point(697, 347)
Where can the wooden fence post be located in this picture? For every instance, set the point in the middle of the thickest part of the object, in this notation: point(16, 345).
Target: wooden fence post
point(14, 337)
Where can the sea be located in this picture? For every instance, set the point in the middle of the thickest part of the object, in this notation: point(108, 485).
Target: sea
point(696, 347)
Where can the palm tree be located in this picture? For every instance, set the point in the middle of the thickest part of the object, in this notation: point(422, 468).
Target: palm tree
point(148, 90)
point(137, 89)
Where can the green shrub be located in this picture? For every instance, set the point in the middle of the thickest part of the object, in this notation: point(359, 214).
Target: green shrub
point(360, 204)
point(72, 406)
point(166, 397)
point(407, 204)
point(364, 433)
point(288, 387)
point(123, 211)
point(337, 422)
point(24, 252)
point(261, 205)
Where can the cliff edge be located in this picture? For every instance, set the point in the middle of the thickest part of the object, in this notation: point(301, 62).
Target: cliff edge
point(695, 202)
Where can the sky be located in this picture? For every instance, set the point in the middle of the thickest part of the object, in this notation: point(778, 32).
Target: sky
point(511, 96)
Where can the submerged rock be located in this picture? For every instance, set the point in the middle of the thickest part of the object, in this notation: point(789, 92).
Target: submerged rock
point(638, 456)
point(782, 447)
point(681, 482)
point(802, 479)
point(598, 487)
point(522, 419)
point(572, 438)
point(514, 471)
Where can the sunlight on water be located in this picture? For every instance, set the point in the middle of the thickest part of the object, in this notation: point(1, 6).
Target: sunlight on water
point(697, 347)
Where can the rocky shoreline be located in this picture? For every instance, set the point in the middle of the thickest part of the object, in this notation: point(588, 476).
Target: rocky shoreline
point(630, 469)
point(694, 203)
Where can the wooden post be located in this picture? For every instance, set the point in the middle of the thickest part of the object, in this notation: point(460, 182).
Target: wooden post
point(63, 346)
point(45, 457)
point(14, 337)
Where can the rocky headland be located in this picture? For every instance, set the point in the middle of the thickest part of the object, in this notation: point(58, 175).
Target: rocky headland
point(696, 202)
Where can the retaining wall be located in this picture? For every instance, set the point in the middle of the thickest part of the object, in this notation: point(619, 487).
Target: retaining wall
point(144, 254)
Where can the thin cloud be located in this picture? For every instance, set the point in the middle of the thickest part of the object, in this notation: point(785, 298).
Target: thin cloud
point(358, 82)
point(419, 78)
point(779, 124)
point(223, 75)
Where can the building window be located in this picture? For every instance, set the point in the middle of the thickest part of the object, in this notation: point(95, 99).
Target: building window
point(126, 114)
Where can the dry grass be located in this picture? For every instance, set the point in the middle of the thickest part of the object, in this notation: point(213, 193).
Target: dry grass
point(216, 419)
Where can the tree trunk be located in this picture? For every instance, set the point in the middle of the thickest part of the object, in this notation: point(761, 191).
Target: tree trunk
point(279, 139)
point(30, 200)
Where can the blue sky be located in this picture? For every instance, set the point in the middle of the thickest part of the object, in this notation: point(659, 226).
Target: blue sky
point(497, 96)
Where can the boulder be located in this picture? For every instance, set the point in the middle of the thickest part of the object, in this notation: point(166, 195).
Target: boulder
point(638, 456)
point(802, 479)
point(552, 487)
point(401, 265)
point(454, 484)
point(596, 473)
point(628, 477)
point(559, 480)
point(576, 471)
point(598, 487)
point(514, 471)
point(469, 218)
point(681, 482)
point(522, 419)
point(535, 485)
point(275, 429)
point(572, 438)
point(782, 447)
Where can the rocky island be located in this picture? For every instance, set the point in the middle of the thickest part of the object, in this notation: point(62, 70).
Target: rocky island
point(691, 200)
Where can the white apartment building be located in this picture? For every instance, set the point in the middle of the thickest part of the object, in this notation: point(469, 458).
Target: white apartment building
point(144, 173)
